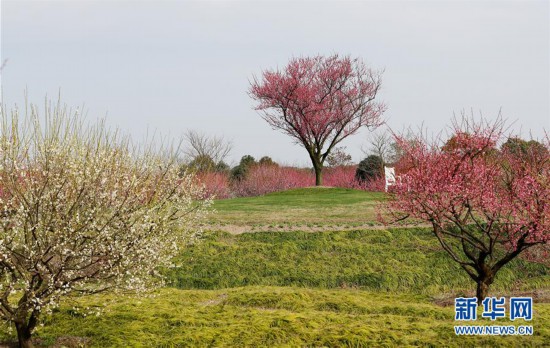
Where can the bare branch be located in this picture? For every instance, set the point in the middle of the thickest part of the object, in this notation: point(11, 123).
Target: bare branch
point(199, 144)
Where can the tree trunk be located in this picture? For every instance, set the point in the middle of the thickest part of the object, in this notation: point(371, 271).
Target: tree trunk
point(317, 163)
point(486, 276)
point(481, 292)
point(24, 336)
point(318, 176)
point(483, 284)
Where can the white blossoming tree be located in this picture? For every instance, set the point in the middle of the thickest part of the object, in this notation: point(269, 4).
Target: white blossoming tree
point(83, 211)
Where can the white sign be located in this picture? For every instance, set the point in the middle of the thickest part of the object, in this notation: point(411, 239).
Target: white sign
point(389, 173)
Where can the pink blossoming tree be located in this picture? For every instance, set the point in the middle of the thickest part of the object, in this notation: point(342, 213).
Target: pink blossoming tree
point(319, 101)
point(485, 206)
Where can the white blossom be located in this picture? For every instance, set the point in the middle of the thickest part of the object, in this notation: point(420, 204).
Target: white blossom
point(83, 210)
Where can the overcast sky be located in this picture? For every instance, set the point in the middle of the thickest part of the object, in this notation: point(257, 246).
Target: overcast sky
point(176, 65)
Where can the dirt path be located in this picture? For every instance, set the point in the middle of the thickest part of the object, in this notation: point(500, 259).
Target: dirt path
point(239, 229)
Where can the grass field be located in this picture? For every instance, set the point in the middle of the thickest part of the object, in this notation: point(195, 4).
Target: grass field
point(396, 261)
point(350, 288)
point(302, 207)
point(276, 316)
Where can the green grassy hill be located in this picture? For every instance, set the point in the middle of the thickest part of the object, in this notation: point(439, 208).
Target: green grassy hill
point(346, 288)
point(320, 206)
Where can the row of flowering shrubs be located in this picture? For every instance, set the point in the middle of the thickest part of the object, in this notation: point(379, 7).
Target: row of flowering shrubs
point(344, 176)
point(262, 179)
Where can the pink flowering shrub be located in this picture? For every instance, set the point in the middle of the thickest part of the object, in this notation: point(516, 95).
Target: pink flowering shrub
point(216, 184)
point(266, 178)
point(378, 185)
point(262, 179)
point(340, 176)
point(344, 176)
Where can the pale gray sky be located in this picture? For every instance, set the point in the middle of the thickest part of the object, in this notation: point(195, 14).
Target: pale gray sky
point(173, 65)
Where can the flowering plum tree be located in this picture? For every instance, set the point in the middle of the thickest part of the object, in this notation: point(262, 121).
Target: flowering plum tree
point(485, 206)
point(83, 211)
point(319, 101)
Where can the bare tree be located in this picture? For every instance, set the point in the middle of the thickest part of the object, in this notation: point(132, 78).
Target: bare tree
point(383, 145)
point(339, 157)
point(201, 145)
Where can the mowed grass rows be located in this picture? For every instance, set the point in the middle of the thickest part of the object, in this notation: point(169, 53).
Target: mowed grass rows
point(396, 260)
point(351, 288)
